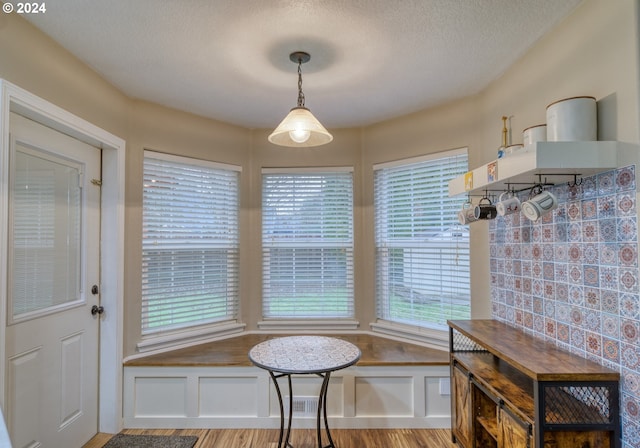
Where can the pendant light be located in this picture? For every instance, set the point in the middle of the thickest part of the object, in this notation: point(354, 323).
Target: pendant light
point(300, 128)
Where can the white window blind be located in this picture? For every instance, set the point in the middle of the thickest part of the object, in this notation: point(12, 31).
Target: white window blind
point(422, 253)
point(189, 243)
point(307, 244)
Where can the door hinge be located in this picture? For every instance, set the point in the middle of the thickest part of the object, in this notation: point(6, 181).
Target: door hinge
point(96, 182)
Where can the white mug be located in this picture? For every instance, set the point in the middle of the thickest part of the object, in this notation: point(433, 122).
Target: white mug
point(466, 215)
point(507, 205)
point(539, 205)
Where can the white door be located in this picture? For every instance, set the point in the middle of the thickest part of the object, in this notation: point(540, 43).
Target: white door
point(53, 258)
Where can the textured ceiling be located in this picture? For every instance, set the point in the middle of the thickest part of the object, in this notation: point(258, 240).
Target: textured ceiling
point(371, 60)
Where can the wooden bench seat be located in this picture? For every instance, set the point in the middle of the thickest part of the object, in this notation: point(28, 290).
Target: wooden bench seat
point(376, 351)
point(214, 385)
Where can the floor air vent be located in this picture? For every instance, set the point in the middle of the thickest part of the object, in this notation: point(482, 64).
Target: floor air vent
point(303, 406)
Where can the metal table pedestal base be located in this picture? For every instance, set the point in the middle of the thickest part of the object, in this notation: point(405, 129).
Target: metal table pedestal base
point(283, 439)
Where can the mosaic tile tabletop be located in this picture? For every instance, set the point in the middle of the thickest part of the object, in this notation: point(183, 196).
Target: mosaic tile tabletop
point(304, 354)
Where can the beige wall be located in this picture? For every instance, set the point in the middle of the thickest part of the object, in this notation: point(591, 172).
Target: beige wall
point(594, 52)
point(34, 62)
point(165, 130)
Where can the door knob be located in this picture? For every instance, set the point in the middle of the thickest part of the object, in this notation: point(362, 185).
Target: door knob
point(95, 309)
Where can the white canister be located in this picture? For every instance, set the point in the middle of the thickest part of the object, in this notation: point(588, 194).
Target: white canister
point(512, 149)
point(572, 119)
point(534, 134)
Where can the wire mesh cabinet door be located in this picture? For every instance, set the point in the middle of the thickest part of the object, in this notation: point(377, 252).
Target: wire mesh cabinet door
point(578, 413)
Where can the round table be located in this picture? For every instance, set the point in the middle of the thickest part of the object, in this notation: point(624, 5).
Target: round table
point(304, 355)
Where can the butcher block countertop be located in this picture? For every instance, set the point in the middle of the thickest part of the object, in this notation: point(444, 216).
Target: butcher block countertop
point(538, 359)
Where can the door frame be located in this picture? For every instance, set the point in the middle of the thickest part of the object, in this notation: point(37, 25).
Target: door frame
point(16, 99)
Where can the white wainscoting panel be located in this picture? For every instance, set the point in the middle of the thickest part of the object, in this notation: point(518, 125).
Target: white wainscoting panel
point(228, 396)
point(244, 397)
point(439, 403)
point(379, 396)
point(161, 397)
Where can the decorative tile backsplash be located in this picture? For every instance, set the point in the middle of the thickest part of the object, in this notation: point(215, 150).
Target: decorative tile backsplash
point(572, 277)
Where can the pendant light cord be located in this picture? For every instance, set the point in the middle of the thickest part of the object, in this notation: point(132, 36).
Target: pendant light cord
point(300, 94)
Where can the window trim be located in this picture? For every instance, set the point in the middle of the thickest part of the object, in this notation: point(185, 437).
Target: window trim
point(152, 153)
point(274, 324)
point(171, 340)
point(420, 159)
point(431, 337)
point(307, 169)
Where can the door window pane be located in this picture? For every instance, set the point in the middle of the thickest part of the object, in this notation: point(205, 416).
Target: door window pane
point(45, 232)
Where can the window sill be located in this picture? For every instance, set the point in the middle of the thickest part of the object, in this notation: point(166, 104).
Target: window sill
point(437, 339)
point(180, 339)
point(309, 325)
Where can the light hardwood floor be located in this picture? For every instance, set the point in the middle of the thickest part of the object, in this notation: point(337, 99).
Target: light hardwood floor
point(301, 438)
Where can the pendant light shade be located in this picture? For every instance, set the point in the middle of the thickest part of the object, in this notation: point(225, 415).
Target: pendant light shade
point(300, 128)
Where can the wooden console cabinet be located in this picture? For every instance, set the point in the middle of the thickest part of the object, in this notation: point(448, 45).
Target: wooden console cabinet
point(510, 389)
